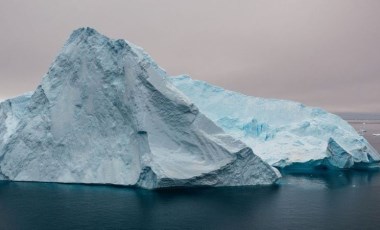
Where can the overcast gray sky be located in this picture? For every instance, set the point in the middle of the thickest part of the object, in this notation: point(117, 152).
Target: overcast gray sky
point(323, 53)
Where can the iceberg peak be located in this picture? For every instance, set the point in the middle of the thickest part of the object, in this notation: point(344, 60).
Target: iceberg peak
point(106, 113)
point(83, 33)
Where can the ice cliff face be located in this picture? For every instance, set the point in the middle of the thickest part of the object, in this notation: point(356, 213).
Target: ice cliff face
point(283, 133)
point(104, 113)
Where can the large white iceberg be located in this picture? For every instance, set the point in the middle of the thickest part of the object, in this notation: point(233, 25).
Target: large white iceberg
point(285, 134)
point(105, 113)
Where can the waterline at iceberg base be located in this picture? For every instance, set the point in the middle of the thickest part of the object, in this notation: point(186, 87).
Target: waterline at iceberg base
point(106, 113)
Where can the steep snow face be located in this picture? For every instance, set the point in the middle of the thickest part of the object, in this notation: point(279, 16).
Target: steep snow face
point(104, 113)
point(283, 133)
point(10, 113)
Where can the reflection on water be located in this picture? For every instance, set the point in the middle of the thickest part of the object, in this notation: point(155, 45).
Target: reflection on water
point(324, 200)
point(348, 200)
point(331, 179)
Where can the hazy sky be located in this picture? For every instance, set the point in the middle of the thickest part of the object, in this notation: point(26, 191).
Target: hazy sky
point(323, 53)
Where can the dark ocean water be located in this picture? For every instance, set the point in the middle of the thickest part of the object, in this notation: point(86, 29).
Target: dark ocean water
point(343, 200)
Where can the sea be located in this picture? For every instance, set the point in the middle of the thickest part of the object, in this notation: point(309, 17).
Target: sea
point(324, 200)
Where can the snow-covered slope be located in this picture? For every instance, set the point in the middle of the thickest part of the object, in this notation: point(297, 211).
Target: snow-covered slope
point(283, 133)
point(104, 113)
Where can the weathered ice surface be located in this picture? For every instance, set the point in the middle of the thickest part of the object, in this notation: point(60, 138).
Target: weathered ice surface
point(105, 113)
point(283, 133)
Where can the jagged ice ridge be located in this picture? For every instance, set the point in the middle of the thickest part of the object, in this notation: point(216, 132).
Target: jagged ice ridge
point(286, 134)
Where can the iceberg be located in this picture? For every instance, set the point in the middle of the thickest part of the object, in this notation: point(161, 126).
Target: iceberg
point(286, 134)
point(105, 113)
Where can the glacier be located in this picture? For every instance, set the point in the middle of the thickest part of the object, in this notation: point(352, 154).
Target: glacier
point(285, 134)
point(106, 113)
